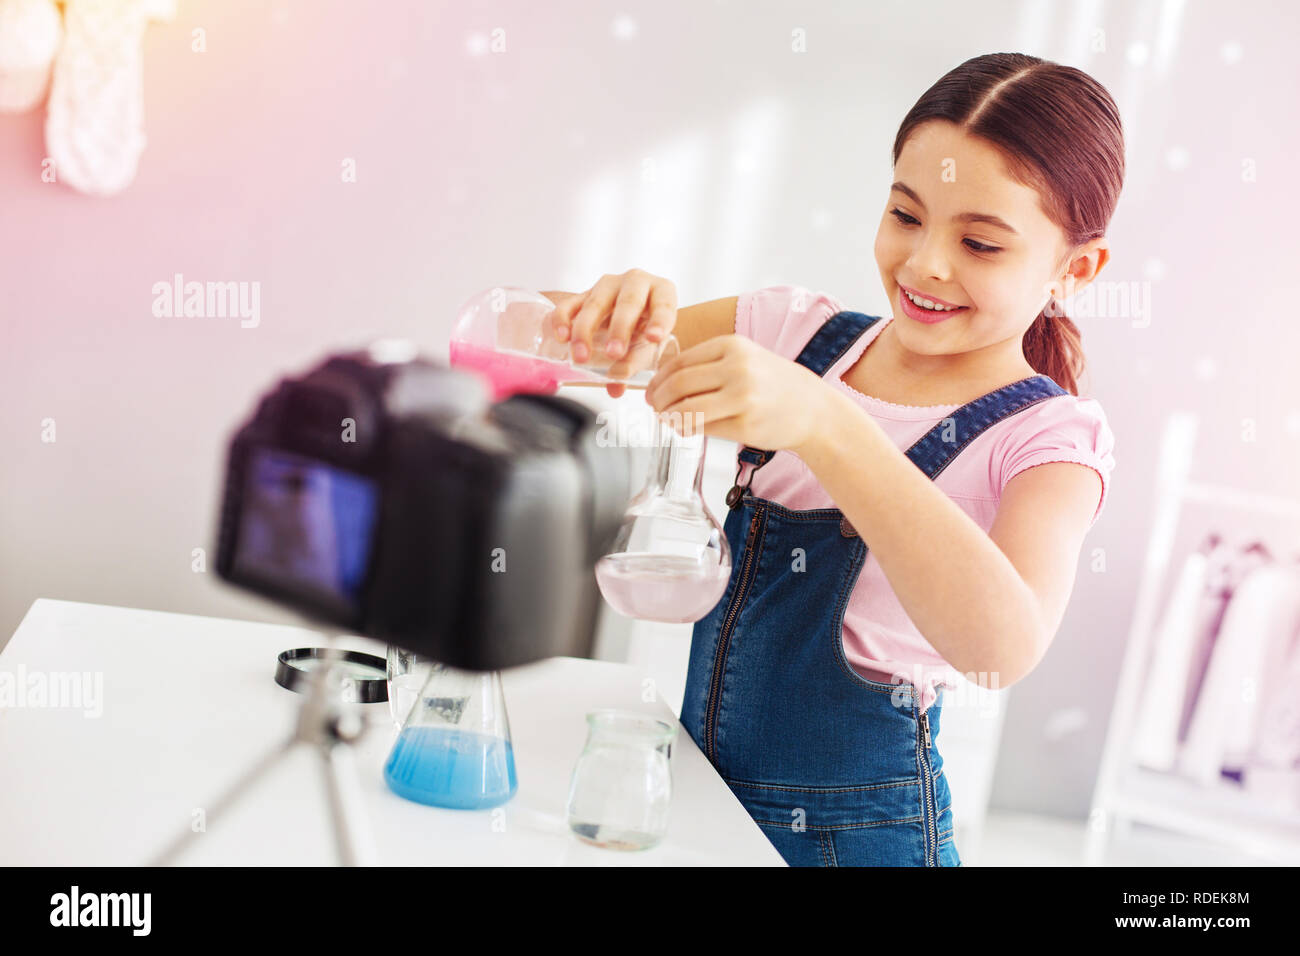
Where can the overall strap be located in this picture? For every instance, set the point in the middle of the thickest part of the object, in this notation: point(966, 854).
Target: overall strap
point(827, 346)
point(936, 449)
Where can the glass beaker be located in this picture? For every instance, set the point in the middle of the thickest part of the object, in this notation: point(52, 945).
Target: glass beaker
point(670, 560)
point(407, 674)
point(621, 788)
point(454, 749)
point(508, 335)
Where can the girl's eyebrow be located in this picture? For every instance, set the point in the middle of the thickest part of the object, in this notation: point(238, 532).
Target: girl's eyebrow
point(960, 217)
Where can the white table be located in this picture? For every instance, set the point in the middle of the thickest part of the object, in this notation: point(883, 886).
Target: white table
point(188, 703)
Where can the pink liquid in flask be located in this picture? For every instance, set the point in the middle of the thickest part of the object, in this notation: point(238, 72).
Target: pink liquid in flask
point(509, 373)
point(674, 589)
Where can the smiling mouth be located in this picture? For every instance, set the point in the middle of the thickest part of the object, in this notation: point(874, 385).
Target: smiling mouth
point(939, 307)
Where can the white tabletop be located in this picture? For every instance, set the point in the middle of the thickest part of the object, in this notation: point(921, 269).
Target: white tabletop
point(188, 703)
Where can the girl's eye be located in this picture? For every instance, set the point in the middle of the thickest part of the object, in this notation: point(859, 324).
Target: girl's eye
point(971, 244)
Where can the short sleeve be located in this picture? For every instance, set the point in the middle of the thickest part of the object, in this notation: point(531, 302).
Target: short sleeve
point(783, 318)
point(1065, 428)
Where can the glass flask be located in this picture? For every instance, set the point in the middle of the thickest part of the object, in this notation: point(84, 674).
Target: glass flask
point(508, 335)
point(621, 787)
point(670, 560)
point(407, 673)
point(454, 749)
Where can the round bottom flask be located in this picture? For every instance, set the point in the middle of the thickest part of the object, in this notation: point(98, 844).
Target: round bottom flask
point(670, 561)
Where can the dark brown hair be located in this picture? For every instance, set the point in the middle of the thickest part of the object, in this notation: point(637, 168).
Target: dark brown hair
point(1060, 133)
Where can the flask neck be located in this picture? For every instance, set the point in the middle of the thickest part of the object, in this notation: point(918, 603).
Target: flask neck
point(677, 462)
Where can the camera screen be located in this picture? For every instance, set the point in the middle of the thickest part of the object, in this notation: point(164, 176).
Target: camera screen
point(306, 527)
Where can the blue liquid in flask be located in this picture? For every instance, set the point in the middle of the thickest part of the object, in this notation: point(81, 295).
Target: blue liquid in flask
point(451, 768)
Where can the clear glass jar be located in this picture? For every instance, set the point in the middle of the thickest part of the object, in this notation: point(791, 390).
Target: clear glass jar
point(621, 788)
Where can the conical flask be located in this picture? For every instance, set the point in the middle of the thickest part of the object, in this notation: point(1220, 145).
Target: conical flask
point(507, 334)
point(454, 749)
point(670, 560)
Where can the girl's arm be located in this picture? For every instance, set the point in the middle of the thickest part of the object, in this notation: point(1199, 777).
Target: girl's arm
point(988, 603)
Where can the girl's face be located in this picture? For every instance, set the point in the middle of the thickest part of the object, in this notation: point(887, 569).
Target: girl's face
point(959, 230)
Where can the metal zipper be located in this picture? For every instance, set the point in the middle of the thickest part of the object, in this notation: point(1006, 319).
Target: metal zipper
point(724, 638)
point(929, 786)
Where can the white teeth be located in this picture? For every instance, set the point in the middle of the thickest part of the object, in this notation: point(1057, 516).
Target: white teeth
point(927, 304)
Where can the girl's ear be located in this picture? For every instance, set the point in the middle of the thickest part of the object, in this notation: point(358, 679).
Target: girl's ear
point(1084, 264)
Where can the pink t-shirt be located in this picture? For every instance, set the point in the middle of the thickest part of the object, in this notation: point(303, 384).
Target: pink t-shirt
point(880, 640)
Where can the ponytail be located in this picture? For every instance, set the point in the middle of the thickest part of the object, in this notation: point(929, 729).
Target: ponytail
point(1053, 346)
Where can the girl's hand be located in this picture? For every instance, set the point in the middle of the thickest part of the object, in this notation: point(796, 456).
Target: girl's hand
point(638, 307)
point(732, 387)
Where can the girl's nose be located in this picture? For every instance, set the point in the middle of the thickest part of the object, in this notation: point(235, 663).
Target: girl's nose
point(930, 259)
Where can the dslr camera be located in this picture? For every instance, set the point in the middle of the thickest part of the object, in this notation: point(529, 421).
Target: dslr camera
point(392, 498)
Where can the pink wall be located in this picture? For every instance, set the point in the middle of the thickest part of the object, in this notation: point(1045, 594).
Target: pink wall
point(528, 167)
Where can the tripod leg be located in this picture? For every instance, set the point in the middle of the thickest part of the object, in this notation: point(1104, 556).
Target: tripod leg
point(318, 724)
point(228, 799)
point(351, 831)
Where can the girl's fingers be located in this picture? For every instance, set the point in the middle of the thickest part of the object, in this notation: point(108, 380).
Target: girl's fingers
point(628, 309)
point(687, 382)
point(639, 357)
point(710, 350)
point(638, 306)
point(599, 300)
point(623, 368)
point(691, 415)
point(663, 311)
point(560, 322)
point(709, 353)
point(562, 316)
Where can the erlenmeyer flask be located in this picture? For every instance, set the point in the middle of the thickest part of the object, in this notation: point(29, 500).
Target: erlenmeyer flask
point(454, 749)
point(670, 561)
point(407, 674)
point(508, 335)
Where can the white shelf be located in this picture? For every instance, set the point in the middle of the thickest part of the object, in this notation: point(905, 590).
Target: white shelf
point(1127, 792)
point(1224, 813)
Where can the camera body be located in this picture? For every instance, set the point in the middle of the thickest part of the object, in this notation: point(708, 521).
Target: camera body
point(395, 500)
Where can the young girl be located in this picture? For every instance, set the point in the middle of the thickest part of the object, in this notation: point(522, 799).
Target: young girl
point(912, 493)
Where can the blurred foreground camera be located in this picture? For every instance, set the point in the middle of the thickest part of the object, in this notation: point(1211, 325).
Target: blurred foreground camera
point(393, 499)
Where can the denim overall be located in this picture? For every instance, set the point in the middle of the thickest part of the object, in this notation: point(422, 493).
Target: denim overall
point(836, 769)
